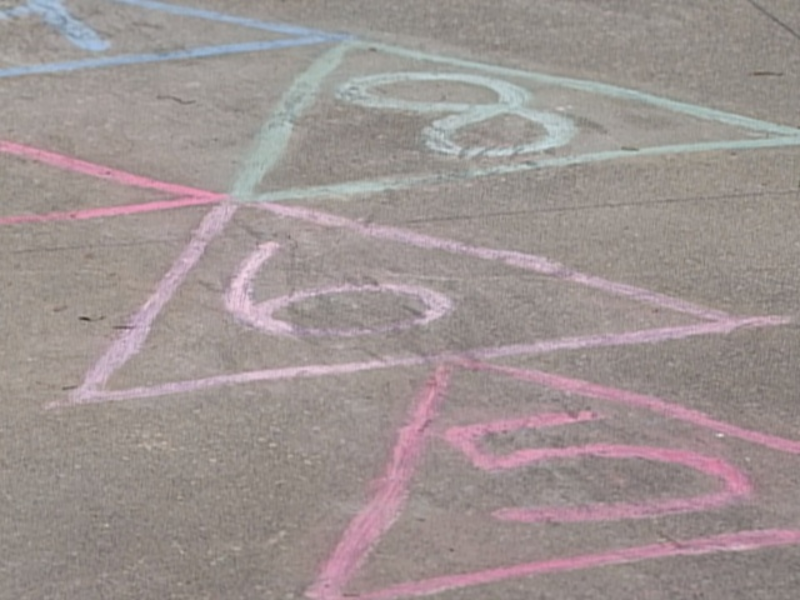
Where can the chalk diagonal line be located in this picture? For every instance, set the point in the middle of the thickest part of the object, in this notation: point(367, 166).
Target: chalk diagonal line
point(348, 189)
point(76, 31)
point(267, 151)
point(391, 492)
point(113, 211)
point(743, 541)
point(210, 15)
point(129, 343)
point(521, 260)
point(157, 57)
point(608, 340)
point(75, 165)
point(594, 87)
point(273, 138)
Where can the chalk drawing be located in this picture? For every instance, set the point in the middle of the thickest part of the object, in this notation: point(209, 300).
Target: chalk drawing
point(521, 260)
point(239, 301)
point(210, 15)
point(633, 338)
point(745, 541)
point(261, 160)
point(265, 154)
point(158, 57)
point(719, 322)
point(771, 135)
point(53, 12)
point(391, 491)
point(184, 195)
point(466, 439)
point(59, 18)
point(388, 496)
point(511, 100)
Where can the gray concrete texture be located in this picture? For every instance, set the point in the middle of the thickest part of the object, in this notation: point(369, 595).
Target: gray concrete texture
point(246, 490)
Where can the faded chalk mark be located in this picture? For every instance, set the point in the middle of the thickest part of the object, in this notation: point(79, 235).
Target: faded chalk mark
point(158, 57)
point(467, 439)
point(76, 165)
point(743, 541)
point(210, 15)
point(239, 300)
point(512, 100)
point(385, 506)
point(129, 344)
point(269, 146)
point(186, 196)
point(271, 142)
point(113, 211)
point(594, 87)
point(632, 399)
point(389, 496)
point(351, 189)
point(608, 340)
point(54, 14)
point(528, 262)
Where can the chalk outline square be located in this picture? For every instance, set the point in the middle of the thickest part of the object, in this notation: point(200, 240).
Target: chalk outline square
point(708, 321)
point(774, 135)
point(388, 495)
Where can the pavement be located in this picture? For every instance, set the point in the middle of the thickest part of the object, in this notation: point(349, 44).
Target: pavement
point(389, 300)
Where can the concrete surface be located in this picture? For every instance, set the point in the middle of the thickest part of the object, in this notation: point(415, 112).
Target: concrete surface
point(604, 328)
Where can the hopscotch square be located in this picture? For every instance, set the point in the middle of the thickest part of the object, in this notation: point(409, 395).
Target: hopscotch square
point(340, 297)
point(435, 119)
point(309, 343)
point(161, 32)
point(553, 402)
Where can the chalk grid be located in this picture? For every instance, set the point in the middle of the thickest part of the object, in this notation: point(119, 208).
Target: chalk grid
point(390, 496)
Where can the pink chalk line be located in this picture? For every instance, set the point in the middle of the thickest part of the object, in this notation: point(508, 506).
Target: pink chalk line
point(632, 399)
point(239, 301)
point(391, 492)
point(742, 541)
point(524, 261)
point(385, 506)
point(85, 395)
point(466, 439)
point(75, 165)
point(129, 343)
point(112, 211)
point(187, 196)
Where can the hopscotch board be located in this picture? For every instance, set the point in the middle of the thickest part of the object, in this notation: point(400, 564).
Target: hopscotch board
point(515, 94)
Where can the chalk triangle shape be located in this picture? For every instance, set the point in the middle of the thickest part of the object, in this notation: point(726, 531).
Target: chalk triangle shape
point(479, 561)
point(296, 307)
point(130, 32)
point(392, 118)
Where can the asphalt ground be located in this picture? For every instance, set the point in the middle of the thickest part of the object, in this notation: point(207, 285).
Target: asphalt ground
point(389, 300)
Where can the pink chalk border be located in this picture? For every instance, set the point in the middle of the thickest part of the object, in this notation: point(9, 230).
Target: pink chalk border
point(390, 491)
point(185, 196)
point(92, 391)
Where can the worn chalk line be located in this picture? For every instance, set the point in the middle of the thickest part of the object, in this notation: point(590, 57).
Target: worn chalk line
point(267, 150)
point(55, 15)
